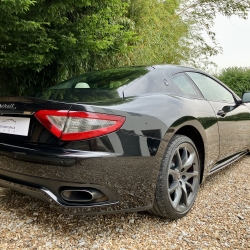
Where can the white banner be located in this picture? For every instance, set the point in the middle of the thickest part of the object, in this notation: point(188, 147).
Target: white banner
point(14, 125)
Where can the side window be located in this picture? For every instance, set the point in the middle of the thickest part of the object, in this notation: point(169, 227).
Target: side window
point(211, 89)
point(152, 82)
point(185, 84)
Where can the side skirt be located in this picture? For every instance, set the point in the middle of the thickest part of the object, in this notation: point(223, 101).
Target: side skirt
point(224, 163)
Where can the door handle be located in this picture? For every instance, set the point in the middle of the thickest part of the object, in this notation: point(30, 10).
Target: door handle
point(221, 113)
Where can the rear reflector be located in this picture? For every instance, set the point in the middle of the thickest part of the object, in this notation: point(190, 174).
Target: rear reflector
point(75, 125)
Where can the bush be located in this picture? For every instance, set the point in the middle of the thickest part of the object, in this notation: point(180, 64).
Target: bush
point(236, 78)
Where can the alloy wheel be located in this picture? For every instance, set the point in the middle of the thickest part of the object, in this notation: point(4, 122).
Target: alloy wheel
point(183, 177)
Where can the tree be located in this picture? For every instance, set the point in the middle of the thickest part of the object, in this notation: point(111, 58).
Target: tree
point(199, 16)
point(173, 31)
point(159, 31)
point(42, 42)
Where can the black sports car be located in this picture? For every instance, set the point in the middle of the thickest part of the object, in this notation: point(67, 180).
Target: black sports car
point(123, 139)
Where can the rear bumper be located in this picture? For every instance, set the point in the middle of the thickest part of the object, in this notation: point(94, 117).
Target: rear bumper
point(128, 182)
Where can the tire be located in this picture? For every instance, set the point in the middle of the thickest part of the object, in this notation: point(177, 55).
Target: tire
point(178, 180)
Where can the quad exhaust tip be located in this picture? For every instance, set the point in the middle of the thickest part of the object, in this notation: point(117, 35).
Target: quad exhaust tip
point(83, 195)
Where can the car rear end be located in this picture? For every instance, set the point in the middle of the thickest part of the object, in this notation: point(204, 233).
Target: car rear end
point(83, 158)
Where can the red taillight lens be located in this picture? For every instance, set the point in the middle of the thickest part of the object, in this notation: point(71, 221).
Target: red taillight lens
point(75, 125)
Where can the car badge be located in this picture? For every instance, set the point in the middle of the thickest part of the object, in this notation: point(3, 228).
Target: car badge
point(8, 106)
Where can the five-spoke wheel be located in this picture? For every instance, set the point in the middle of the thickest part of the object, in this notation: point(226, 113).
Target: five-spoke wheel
point(178, 180)
point(183, 179)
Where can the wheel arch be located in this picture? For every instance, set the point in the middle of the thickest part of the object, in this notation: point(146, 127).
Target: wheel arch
point(193, 129)
point(194, 135)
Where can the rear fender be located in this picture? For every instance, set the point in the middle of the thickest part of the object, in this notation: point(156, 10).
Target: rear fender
point(208, 130)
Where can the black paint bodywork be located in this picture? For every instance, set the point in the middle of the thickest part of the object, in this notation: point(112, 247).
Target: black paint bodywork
point(124, 165)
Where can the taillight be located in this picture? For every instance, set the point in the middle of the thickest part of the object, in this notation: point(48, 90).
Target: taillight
point(75, 125)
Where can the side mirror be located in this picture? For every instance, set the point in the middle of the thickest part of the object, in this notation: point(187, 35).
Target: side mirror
point(245, 97)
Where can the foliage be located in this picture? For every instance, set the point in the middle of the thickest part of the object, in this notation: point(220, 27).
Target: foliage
point(160, 32)
point(42, 41)
point(173, 31)
point(236, 78)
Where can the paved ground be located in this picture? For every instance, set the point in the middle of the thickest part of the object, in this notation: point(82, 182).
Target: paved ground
point(220, 219)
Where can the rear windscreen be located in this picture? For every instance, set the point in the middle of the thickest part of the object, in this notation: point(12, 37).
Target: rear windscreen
point(111, 85)
point(103, 85)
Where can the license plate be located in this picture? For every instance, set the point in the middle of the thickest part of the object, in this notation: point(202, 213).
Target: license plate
point(14, 125)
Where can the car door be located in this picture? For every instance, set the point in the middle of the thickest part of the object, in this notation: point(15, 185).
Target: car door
point(203, 112)
point(233, 118)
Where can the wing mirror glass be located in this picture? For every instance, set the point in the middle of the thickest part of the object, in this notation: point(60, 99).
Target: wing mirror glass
point(245, 97)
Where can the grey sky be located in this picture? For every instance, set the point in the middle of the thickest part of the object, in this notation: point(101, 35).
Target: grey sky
point(234, 37)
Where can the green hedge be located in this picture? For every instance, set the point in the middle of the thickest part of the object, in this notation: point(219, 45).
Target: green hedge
point(236, 78)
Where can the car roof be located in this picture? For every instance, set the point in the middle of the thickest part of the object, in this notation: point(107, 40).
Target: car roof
point(171, 68)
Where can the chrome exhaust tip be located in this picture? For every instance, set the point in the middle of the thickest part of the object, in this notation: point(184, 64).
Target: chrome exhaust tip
point(83, 195)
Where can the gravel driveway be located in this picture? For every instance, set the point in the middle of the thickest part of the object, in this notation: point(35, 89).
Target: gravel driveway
point(218, 220)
